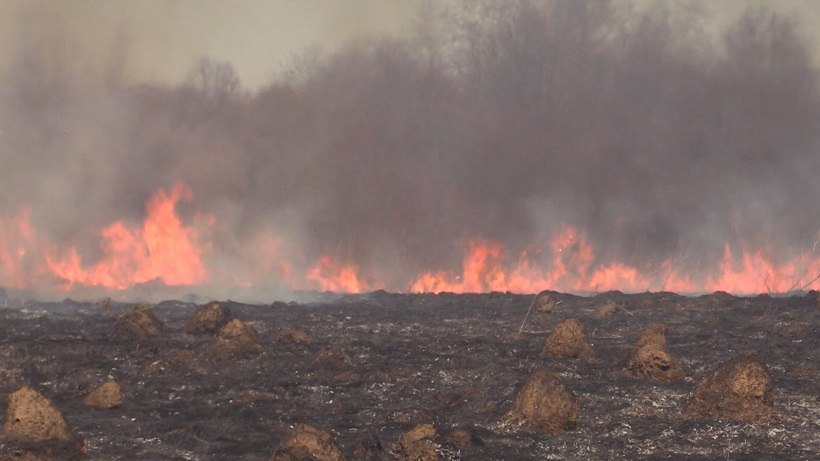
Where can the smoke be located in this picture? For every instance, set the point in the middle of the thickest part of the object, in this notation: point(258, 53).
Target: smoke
point(495, 121)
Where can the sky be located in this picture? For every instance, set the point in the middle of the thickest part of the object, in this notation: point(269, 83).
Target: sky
point(162, 39)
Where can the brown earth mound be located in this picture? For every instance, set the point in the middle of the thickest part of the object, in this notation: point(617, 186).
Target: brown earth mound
point(650, 358)
point(293, 335)
point(420, 444)
point(740, 390)
point(335, 357)
point(140, 323)
point(607, 310)
point(567, 340)
point(460, 437)
point(543, 405)
point(107, 395)
point(31, 416)
point(235, 339)
point(308, 443)
point(36, 430)
point(370, 449)
point(208, 319)
point(545, 303)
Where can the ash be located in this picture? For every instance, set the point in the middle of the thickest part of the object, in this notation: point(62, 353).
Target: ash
point(367, 368)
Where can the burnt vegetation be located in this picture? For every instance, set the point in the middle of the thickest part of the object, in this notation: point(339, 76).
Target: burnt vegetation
point(432, 377)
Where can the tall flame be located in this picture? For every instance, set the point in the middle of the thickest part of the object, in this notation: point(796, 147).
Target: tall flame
point(332, 275)
point(17, 243)
point(163, 248)
point(485, 267)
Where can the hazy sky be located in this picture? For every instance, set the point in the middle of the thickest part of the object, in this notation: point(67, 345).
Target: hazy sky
point(163, 38)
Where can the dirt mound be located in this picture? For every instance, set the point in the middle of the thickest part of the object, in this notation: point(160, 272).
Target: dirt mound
point(545, 303)
point(235, 339)
point(461, 438)
point(139, 323)
point(543, 405)
point(567, 340)
point(334, 357)
point(293, 335)
point(370, 449)
point(208, 319)
point(740, 390)
point(107, 395)
point(421, 444)
point(654, 335)
point(31, 416)
point(308, 443)
point(418, 444)
point(650, 358)
point(35, 430)
point(607, 310)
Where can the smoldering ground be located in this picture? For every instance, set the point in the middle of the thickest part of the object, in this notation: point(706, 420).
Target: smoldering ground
point(492, 120)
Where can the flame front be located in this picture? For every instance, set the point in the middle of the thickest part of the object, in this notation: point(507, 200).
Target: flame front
point(332, 275)
point(162, 249)
point(486, 268)
point(165, 249)
point(18, 242)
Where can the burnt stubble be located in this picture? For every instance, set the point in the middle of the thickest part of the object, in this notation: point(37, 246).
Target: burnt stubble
point(455, 362)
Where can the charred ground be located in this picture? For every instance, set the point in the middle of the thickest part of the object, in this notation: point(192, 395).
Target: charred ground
point(367, 368)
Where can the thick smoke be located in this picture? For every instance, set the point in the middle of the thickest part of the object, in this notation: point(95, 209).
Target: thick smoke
point(500, 121)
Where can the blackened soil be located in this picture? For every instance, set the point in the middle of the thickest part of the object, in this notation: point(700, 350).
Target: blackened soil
point(455, 360)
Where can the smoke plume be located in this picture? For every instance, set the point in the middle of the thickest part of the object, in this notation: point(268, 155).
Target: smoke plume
point(501, 122)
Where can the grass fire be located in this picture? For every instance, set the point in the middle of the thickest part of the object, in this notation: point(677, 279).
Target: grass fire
point(542, 229)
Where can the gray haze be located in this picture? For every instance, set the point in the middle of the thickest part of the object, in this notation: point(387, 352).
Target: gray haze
point(658, 135)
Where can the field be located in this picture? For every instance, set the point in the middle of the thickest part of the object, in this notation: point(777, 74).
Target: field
point(367, 368)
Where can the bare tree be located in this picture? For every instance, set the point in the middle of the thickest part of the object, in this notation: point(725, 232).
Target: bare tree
point(217, 81)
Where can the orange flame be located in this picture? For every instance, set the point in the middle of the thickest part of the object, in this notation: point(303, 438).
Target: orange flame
point(18, 242)
point(163, 248)
point(485, 268)
point(332, 275)
point(755, 273)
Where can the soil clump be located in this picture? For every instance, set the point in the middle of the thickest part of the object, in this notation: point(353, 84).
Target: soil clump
point(739, 390)
point(309, 443)
point(545, 303)
point(421, 443)
point(36, 430)
point(650, 358)
point(107, 395)
point(607, 310)
point(139, 323)
point(567, 340)
point(236, 339)
point(335, 357)
point(543, 405)
point(294, 336)
point(208, 319)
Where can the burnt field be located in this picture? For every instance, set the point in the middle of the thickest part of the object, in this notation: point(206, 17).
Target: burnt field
point(369, 368)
